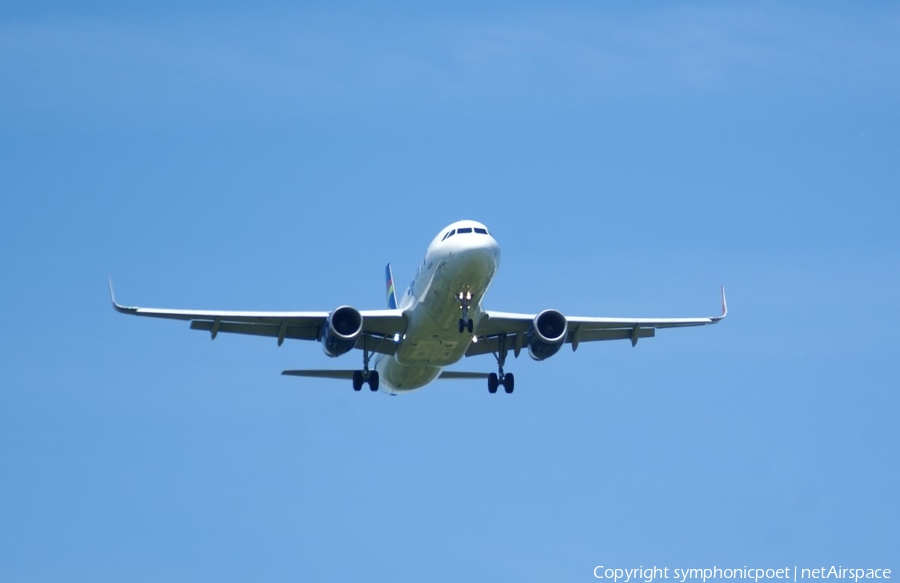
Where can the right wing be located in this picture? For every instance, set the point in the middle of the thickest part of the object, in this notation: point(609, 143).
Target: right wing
point(498, 329)
point(379, 326)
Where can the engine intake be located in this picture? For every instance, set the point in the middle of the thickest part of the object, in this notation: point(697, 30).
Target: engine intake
point(342, 329)
point(548, 333)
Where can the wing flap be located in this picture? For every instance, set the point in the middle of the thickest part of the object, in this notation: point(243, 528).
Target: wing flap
point(373, 343)
point(377, 344)
point(617, 334)
point(488, 345)
point(272, 330)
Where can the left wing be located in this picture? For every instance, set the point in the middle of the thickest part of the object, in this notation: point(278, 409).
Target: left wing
point(511, 330)
point(379, 326)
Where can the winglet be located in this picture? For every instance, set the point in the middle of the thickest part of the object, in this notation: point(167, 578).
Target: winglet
point(112, 297)
point(112, 293)
point(724, 307)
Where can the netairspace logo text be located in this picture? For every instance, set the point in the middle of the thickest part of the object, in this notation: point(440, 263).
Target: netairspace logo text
point(650, 574)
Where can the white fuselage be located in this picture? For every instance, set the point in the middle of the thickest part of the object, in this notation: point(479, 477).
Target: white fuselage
point(464, 263)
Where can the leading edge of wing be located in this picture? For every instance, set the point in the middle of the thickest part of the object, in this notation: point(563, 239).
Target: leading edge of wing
point(231, 315)
point(648, 322)
point(255, 316)
point(511, 323)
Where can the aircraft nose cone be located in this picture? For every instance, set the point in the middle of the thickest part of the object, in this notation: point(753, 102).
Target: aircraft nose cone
point(484, 251)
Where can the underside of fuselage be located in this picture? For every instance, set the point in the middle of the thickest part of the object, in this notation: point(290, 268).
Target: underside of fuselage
point(443, 305)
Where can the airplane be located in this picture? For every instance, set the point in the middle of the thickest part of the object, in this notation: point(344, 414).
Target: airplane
point(437, 321)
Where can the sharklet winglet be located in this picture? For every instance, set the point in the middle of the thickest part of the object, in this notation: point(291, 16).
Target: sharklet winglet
point(112, 298)
point(724, 307)
point(112, 293)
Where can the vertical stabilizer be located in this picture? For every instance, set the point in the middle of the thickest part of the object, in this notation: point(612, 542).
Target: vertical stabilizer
point(391, 294)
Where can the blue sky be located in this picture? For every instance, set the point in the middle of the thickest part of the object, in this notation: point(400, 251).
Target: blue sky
point(628, 158)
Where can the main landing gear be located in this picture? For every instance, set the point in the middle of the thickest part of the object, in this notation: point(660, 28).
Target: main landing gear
point(500, 378)
point(361, 377)
point(465, 323)
point(507, 380)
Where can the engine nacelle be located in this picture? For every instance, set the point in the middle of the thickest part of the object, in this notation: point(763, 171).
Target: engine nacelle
point(548, 333)
point(342, 329)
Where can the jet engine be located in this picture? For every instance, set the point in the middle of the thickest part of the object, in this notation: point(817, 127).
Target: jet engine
point(548, 333)
point(342, 329)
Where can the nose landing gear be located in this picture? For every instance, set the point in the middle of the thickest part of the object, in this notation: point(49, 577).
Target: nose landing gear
point(465, 323)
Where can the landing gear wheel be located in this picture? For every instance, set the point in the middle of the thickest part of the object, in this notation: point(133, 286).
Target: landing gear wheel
point(500, 377)
point(493, 383)
point(465, 302)
point(509, 382)
point(361, 377)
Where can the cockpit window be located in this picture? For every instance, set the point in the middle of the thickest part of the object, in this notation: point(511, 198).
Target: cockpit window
point(465, 230)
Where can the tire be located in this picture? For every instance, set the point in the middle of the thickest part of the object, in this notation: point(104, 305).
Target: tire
point(373, 381)
point(509, 383)
point(471, 326)
point(462, 325)
point(492, 383)
point(357, 380)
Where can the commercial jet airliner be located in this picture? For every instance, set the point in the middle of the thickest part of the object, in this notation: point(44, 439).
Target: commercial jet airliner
point(438, 320)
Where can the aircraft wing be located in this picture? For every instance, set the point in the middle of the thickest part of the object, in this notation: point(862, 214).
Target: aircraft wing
point(512, 329)
point(379, 325)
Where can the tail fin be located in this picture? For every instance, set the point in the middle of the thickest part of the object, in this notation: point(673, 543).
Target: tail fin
point(391, 294)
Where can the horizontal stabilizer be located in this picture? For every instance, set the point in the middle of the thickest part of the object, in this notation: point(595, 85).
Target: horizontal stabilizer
point(320, 374)
point(348, 374)
point(452, 374)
